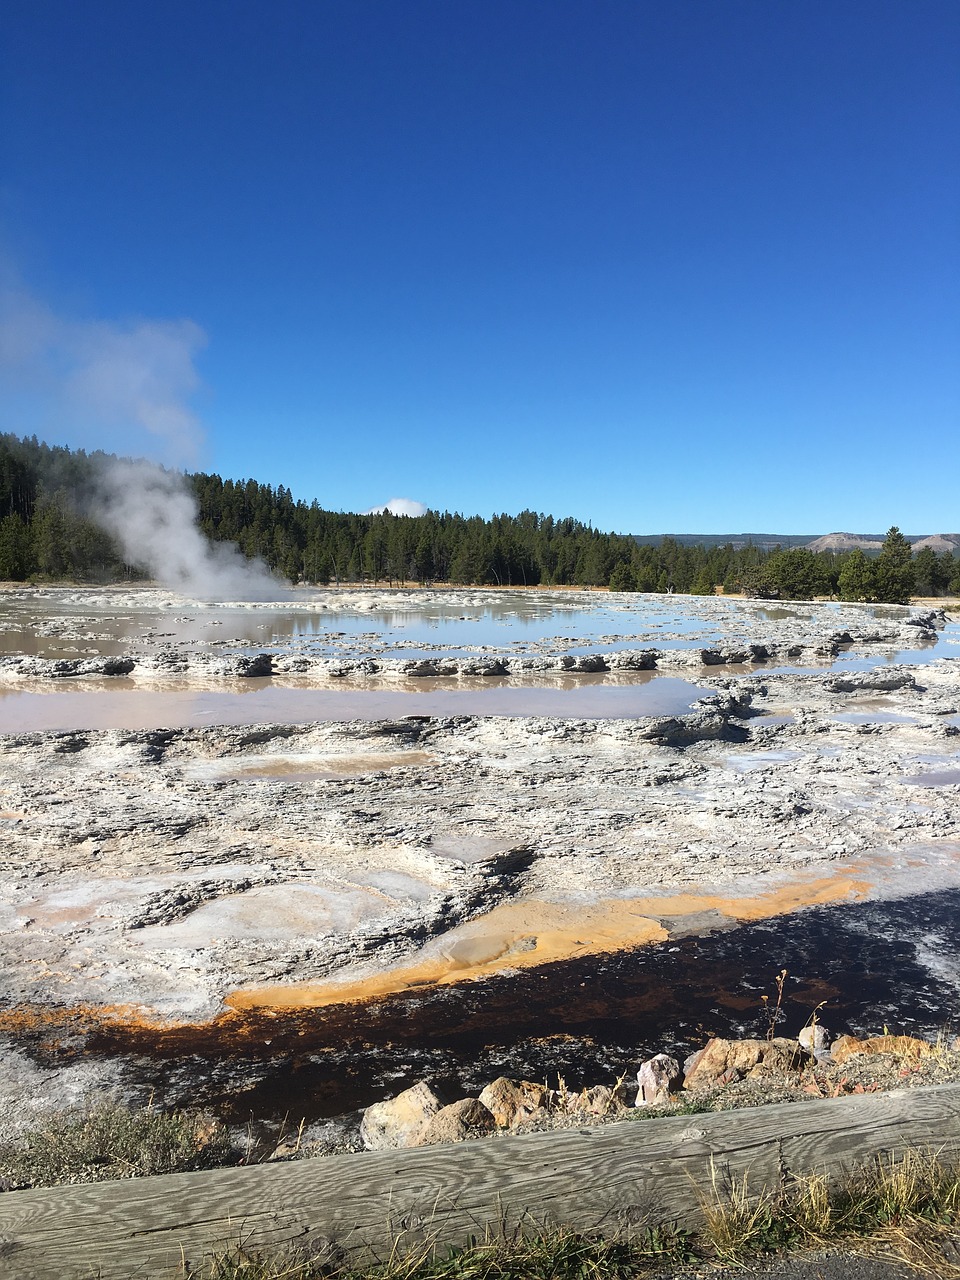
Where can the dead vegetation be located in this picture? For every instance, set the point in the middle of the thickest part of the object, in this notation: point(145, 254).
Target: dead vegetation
point(904, 1208)
point(113, 1141)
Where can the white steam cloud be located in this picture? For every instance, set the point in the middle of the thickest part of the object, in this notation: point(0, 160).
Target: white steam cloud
point(399, 507)
point(153, 515)
point(128, 386)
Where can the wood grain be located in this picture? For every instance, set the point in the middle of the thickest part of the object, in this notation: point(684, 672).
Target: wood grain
point(613, 1177)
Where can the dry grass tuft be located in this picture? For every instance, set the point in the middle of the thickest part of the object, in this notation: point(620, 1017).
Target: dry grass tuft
point(908, 1200)
point(113, 1141)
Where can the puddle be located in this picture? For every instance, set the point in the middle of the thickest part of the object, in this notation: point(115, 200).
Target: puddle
point(749, 760)
point(58, 623)
point(872, 717)
point(301, 768)
point(936, 778)
point(262, 702)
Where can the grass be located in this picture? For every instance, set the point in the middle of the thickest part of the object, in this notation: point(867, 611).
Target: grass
point(902, 1208)
point(113, 1141)
point(556, 1255)
point(906, 1200)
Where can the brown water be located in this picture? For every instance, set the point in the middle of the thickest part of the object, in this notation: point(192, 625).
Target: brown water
point(313, 769)
point(263, 702)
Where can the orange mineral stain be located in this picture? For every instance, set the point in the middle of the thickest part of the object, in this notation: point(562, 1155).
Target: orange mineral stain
point(521, 935)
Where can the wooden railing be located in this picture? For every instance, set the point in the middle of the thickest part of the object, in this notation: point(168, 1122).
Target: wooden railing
point(609, 1177)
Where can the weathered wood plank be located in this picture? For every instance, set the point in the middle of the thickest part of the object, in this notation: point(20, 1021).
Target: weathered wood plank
point(612, 1176)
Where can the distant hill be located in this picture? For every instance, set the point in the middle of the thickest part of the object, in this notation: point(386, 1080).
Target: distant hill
point(939, 542)
point(838, 542)
point(847, 542)
point(765, 541)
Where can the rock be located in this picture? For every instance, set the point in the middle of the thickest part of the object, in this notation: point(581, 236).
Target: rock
point(588, 663)
point(929, 620)
point(398, 1122)
point(878, 681)
point(427, 667)
point(510, 1103)
point(640, 660)
point(252, 668)
point(467, 1118)
point(723, 1061)
point(656, 1077)
point(483, 667)
point(596, 1101)
point(902, 1046)
point(814, 1038)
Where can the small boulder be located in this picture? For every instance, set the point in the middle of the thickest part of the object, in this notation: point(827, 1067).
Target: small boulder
point(814, 1038)
point(467, 1118)
point(901, 1046)
point(398, 1121)
point(723, 1061)
point(259, 665)
point(511, 1103)
point(655, 1078)
point(599, 1100)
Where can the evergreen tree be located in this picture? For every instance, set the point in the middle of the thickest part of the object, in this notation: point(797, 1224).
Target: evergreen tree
point(622, 578)
point(856, 580)
point(16, 550)
point(893, 571)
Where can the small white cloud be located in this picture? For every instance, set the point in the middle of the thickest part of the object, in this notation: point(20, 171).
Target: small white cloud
point(399, 507)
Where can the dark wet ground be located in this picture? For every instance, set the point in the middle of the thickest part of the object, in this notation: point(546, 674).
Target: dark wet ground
point(893, 964)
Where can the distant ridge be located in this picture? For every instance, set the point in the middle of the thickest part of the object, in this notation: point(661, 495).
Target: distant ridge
point(766, 541)
point(939, 542)
point(847, 542)
point(869, 542)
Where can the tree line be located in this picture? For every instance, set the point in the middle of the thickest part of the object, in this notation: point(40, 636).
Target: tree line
point(49, 531)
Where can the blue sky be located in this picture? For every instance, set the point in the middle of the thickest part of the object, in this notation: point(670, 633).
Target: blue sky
point(689, 265)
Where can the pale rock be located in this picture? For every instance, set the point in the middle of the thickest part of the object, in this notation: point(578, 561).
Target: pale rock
point(655, 1079)
point(510, 1103)
point(814, 1038)
point(723, 1061)
point(397, 1122)
point(467, 1118)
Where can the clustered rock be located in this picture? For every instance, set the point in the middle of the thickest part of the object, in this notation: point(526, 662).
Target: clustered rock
point(818, 645)
point(420, 1117)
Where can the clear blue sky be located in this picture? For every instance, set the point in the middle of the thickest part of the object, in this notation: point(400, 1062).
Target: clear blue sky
point(684, 265)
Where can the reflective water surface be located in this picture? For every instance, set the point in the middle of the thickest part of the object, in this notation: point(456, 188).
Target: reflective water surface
point(263, 702)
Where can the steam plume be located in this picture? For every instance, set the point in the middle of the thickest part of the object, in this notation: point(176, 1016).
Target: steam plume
point(153, 515)
point(129, 386)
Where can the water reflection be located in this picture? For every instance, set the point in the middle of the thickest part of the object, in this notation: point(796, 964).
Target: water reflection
point(263, 702)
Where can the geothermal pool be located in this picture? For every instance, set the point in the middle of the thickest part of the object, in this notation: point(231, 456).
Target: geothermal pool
point(458, 833)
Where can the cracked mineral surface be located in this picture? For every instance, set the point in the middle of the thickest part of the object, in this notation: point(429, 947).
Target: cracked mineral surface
point(505, 780)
